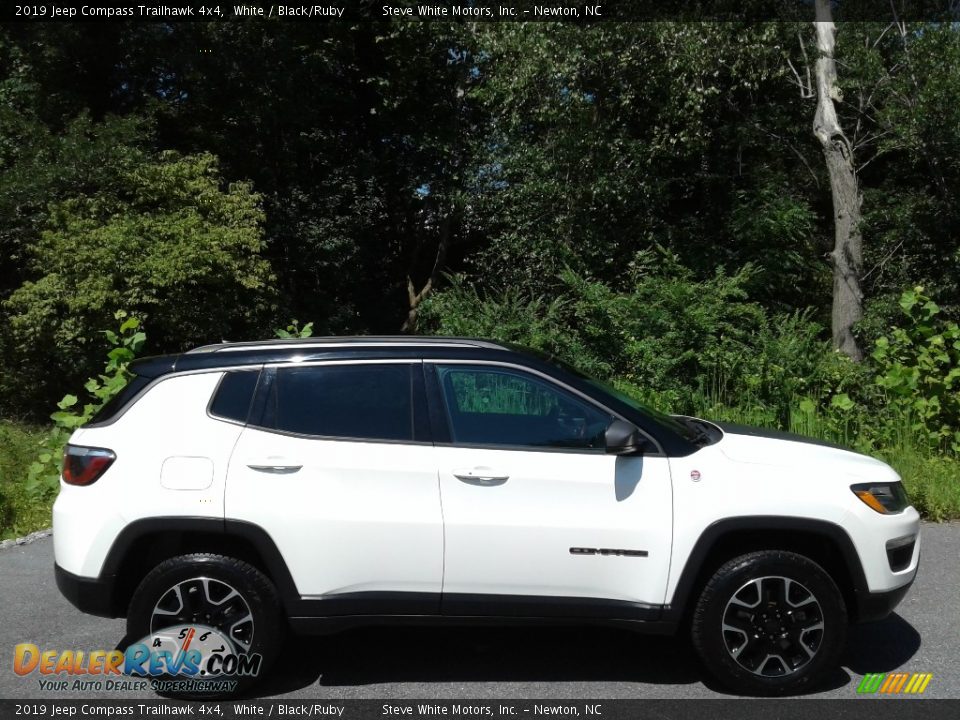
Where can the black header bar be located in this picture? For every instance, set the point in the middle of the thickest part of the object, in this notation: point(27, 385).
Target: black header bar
point(569, 11)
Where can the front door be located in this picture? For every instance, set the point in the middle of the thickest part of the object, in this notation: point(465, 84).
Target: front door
point(538, 518)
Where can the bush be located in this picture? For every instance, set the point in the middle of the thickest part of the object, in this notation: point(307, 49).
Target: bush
point(668, 335)
point(932, 481)
point(918, 367)
point(43, 477)
point(19, 513)
point(164, 240)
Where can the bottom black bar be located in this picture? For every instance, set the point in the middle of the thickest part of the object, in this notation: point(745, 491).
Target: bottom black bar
point(866, 708)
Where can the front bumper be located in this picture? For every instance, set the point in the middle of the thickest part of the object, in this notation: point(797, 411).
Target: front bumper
point(878, 605)
point(93, 596)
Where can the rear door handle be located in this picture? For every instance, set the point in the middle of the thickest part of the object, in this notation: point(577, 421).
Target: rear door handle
point(481, 476)
point(274, 465)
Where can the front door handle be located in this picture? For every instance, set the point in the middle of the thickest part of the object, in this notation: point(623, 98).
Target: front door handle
point(481, 476)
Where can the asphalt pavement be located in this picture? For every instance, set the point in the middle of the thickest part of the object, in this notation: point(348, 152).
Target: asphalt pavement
point(451, 663)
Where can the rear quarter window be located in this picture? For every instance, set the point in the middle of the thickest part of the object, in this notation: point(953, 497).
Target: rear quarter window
point(233, 396)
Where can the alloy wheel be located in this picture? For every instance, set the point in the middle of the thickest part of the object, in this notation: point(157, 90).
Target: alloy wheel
point(205, 601)
point(773, 626)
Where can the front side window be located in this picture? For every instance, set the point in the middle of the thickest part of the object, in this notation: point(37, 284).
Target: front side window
point(494, 406)
point(366, 402)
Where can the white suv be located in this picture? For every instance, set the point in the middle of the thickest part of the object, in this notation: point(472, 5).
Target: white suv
point(324, 483)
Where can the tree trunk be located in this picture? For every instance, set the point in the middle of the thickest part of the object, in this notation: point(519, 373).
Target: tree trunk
point(847, 255)
point(414, 298)
point(447, 224)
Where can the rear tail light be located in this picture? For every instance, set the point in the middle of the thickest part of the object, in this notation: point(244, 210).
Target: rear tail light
point(84, 465)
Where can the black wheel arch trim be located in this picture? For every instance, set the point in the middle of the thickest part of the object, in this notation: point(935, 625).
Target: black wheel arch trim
point(259, 539)
point(690, 575)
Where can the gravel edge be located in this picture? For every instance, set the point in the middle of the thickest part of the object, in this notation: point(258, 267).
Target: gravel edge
point(26, 539)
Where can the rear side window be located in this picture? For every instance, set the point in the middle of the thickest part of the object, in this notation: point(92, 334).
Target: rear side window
point(115, 406)
point(233, 396)
point(365, 402)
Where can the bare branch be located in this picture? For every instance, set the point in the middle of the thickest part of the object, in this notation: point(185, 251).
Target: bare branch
point(780, 139)
point(880, 36)
point(806, 92)
point(883, 262)
point(806, 64)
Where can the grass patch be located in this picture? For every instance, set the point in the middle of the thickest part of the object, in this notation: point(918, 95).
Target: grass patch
point(932, 481)
point(19, 513)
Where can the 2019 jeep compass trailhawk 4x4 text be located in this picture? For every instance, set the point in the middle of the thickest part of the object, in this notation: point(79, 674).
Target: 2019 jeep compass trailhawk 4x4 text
point(322, 483)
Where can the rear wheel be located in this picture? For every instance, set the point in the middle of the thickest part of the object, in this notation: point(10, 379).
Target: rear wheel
point(204, 591)
point(770, 623)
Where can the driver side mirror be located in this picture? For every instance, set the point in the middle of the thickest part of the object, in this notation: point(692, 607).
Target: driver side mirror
point(623, 438)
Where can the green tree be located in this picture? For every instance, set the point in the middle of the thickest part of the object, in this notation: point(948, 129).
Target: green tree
point(164, 240)
point(608, 140)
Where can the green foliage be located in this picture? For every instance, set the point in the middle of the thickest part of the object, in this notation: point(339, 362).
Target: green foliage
point(931, 481)
point(125, 344)
point(667, 332)
point(918, 365)
point(39, 166)
point(19, 512)
point(164, 240)
point(293, 330)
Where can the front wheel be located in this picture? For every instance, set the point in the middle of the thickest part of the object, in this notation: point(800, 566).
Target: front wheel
point(770, 623)
point(214, 605)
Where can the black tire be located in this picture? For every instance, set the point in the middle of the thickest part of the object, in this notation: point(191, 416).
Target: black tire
point(263, 634)
point(774, 647)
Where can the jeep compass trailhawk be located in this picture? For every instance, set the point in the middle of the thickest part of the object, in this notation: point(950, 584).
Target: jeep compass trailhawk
point(322, 483)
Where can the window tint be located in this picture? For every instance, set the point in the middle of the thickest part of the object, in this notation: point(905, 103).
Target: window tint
point(358, 401)
point(234, 394)
point(503, 407)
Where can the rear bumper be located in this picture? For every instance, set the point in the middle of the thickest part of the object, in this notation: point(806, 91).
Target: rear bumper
point(878, 605)
point(93, 596)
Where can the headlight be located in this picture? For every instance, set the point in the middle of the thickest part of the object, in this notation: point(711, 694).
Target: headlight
point(885, 498)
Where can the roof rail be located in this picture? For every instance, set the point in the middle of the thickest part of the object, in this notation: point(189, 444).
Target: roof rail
point(350, 341)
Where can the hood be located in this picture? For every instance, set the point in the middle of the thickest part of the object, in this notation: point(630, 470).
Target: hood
point(759, 446)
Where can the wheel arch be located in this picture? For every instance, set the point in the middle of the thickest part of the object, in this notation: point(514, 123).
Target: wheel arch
point(145, 543)
point(824, 542)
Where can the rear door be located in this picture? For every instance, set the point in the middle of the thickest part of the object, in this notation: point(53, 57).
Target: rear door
point(539, 519)
point(336, 466)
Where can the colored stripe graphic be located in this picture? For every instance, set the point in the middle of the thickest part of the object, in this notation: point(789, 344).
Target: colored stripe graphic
point(870, 683)
point(914, 683)
point(894, 683)
point(897, 685)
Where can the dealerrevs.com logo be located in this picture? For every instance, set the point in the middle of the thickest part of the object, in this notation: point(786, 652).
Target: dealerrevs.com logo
point(181, 658)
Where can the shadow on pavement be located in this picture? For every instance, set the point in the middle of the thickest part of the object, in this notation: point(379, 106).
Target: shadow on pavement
point(374, 655)
point(881, 646)
point(424, 655)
